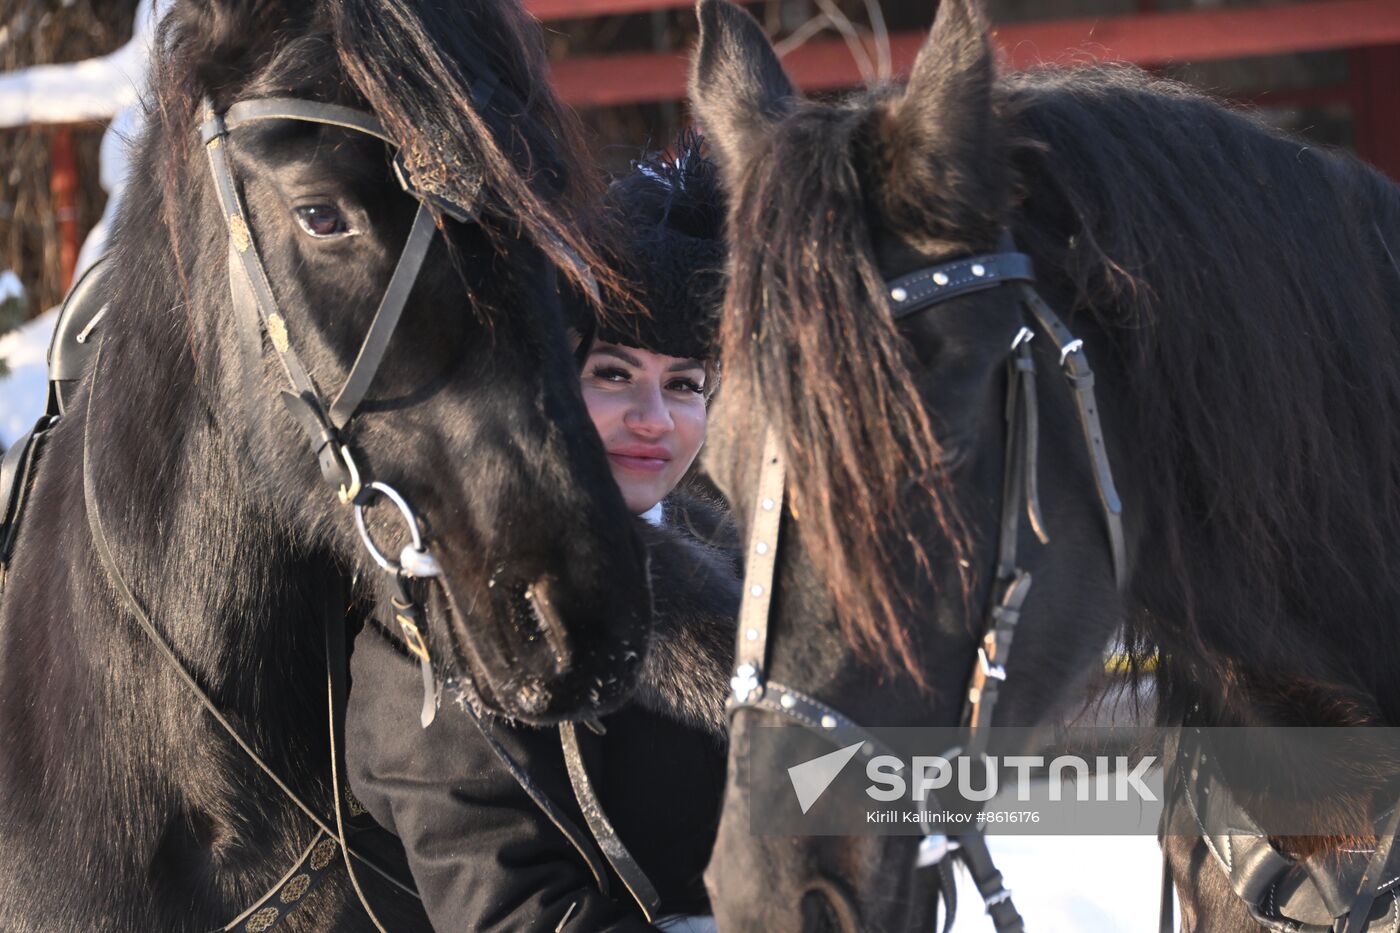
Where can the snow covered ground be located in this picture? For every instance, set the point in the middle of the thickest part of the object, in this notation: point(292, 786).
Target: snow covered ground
point(1072, 884)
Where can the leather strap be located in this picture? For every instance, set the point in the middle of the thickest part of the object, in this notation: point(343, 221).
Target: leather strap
point(1166, 907)
point(760, 571)
point(214, 133)
point(16, 478)
point(148, 628)
point(337, 691)
point(256, 303)
point(386, 319)
point(1081, 378)
point(617, 854)
point(577, 838)
point(918, 290)
point(995, 896)
point(304, 111)
point(989, 672)
point(289, 891)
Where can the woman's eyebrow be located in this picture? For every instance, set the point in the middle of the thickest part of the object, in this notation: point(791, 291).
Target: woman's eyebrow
point(685, 364)
point(623, 355)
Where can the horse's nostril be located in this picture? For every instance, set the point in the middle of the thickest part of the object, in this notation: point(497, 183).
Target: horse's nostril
point(535, 606)
point(819, 914)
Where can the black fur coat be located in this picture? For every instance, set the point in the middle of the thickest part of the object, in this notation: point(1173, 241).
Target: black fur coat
point(485, 809)
point(695, 585)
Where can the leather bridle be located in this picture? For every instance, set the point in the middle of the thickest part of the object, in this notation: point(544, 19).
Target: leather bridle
point(257, 313)
point(911, 294)
point(324, 425)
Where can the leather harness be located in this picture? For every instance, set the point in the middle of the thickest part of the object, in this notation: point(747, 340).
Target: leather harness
point(911, 294)
point(73, 352)
point(1340, 894)
point(1280, 893)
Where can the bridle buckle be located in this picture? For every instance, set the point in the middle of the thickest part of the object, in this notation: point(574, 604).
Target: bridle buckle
point(746, 684)
point(990, 669)
point(933, 849)
point(1074, 346)
point(348, 493)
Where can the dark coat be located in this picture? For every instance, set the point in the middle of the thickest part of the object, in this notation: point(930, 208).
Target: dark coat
point(493, 850)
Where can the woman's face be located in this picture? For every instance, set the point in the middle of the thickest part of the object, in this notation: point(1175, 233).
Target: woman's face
point(649, 410)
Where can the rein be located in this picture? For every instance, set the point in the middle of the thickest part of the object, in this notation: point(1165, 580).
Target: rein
point(911, 294)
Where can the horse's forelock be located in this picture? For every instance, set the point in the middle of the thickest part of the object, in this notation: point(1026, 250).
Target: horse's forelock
point(408, 62)
point(808, 338)
point(411, 62)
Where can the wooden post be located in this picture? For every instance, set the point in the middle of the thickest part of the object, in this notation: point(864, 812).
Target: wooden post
point(63, 186)
point(1375, 77)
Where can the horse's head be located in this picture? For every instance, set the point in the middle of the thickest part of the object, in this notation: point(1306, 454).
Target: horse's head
point(893, 429)
point(474, 415)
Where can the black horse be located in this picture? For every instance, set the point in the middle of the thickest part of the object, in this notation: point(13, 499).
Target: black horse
point(1236, 291)
point(123, 805)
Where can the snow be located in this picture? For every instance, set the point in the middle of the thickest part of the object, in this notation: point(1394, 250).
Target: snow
point(105, 88)
point(1072, 884)
point(109, 87)
point(22, 393)
point(78, 92)
point(10, 286)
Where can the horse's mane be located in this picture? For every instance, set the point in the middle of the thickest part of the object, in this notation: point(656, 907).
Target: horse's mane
point(1247, 281)
point(828, 367)
point(405, 62)
point(1244, 280)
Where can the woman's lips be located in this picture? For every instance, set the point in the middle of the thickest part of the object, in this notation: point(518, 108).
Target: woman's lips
point(641, 459)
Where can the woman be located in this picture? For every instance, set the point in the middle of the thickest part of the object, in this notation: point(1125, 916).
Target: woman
point(487, 810)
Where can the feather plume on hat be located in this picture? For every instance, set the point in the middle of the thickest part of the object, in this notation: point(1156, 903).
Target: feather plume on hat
point(665, 223)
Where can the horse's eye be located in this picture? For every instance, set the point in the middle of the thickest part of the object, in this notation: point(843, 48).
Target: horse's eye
point(322, 221)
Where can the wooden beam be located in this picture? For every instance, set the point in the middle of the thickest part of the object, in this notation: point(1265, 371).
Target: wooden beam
point(1375, 75)
point(1145, 39)
point(577, 9)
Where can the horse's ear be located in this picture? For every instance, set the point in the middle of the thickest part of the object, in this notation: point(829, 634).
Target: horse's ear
point(953, 73)
point(939, 138)
point(737, 85)
point(222, 39)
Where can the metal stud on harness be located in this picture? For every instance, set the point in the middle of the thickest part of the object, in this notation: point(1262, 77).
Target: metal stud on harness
point(910, 294)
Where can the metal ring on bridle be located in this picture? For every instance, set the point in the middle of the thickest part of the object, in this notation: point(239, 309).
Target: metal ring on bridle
point(392, 494)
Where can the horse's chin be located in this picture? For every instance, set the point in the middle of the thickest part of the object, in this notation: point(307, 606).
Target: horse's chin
point(539, 679)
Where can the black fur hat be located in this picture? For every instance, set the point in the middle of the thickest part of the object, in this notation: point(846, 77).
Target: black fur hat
point(667, 220)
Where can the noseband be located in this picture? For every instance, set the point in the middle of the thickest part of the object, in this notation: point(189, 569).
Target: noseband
point(912, 294)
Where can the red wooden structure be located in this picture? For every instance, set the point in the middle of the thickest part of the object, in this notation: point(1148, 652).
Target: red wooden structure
point(63, 188)
point(1369, 29)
